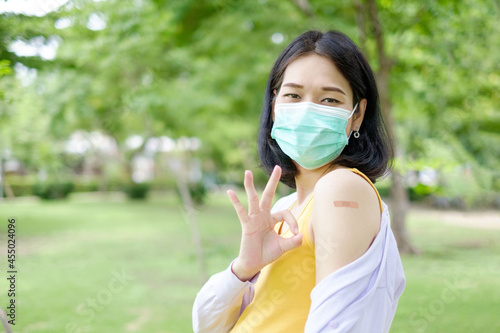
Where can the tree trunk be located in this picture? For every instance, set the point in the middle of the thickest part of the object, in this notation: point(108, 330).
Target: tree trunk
point(399, 196)
point(399, 199)
point(304, 6)
point(8, 190)
point(5, 321)
point(182, 185)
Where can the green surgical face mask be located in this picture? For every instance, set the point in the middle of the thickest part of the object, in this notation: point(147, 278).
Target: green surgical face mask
point(311, 134)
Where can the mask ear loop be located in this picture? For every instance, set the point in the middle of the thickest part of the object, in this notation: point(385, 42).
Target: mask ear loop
point(350, 117)
point(353, 110)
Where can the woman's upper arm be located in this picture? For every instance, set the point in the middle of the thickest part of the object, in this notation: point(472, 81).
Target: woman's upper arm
point(344, 221)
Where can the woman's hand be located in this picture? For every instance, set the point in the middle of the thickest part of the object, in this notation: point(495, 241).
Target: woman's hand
point(260, 244)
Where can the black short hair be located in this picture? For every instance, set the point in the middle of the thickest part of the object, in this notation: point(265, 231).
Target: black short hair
point(372, 151)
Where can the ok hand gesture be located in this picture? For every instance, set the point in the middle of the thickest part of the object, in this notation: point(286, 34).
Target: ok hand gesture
point(260, 244)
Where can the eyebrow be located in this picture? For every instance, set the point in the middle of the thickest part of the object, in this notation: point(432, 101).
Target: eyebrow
point(299, 86)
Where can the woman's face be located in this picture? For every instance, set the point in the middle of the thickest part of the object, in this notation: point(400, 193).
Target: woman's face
point(314, 78)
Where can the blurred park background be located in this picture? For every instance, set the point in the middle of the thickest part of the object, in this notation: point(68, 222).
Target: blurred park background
point(122, 123)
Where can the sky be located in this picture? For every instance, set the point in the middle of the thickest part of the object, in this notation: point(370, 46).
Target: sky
point(30, 7)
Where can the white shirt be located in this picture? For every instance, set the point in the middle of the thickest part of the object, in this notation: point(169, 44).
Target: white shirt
point(359, 297)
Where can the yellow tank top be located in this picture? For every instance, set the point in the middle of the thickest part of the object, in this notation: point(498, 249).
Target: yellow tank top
point(282, 293)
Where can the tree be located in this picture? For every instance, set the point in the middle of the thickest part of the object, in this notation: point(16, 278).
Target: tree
point(399, 194)
point(198, 68)
point(432, 67)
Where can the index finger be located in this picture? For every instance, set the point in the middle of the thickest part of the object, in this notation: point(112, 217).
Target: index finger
point(267, 196)
point(287, 216)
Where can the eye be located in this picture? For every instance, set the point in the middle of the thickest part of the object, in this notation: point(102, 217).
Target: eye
point(330, 100)
point(292, 96)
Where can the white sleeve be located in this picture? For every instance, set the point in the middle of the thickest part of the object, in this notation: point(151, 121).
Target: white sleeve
point(359, 297)
point(223, 298)
point(284, 203)
point(219, 303)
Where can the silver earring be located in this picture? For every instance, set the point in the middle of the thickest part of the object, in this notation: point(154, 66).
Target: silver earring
point(356, 134)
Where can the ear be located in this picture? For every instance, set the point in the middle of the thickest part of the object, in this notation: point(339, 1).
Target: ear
point(359, 115)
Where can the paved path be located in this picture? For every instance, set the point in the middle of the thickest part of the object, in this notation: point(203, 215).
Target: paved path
point(487, 219)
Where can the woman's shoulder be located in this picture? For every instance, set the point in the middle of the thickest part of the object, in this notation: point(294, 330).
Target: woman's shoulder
point(346, 195)
point(344, 181)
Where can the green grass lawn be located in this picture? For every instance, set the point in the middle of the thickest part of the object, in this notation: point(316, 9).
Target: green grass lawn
point(130, 267)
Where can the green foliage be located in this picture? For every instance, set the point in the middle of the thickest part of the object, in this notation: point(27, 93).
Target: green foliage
point(383, 187)
point(445, 85)
point(421, 192)
point(21, 186)
point(4, 67)
point(53, 189)
point(198, 193)
point(4, 70)
point(199, 68)
point(25, 28)
point(25, 127)
point(461, 185)
point(137, 191)
point(86, 186)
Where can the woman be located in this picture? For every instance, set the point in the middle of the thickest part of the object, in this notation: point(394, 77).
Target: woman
point(324, 258)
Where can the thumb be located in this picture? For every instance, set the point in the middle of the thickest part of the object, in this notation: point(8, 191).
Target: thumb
point(290, 243)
